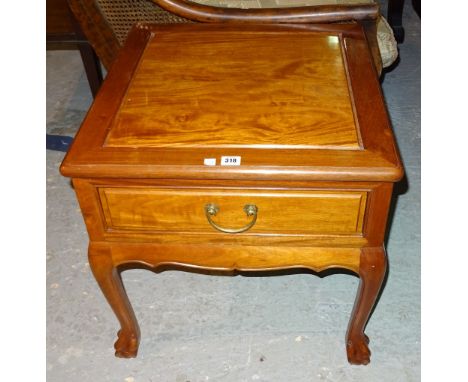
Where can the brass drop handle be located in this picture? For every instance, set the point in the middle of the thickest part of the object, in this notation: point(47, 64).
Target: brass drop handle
point(250, 209)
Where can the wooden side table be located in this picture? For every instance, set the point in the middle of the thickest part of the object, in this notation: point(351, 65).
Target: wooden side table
point(238, 147)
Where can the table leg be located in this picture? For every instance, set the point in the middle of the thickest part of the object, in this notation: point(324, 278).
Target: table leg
point(372, 268)
point(108, 278)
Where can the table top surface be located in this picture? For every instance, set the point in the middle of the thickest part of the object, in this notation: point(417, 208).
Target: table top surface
point(303, 100)
point(233, 90)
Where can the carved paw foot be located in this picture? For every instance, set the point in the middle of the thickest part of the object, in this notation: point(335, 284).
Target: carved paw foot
point(126, 345)
point(358, 351)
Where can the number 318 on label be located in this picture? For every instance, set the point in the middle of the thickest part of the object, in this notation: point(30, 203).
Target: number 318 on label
point(230, 161)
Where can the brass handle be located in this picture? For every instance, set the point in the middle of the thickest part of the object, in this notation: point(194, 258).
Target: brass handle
point(212, 209)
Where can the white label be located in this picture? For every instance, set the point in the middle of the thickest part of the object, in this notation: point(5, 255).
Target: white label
point(230, 161)
point(209, 161)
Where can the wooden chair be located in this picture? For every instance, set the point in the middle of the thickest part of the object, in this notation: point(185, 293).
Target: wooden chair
point(106, 23)
point(63, 33)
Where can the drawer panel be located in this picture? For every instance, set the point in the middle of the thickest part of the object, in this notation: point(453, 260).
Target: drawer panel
point(279, 212)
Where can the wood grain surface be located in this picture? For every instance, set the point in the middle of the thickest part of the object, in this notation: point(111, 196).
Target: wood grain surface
point(303, 108)
point(280, 145)
point(233, 90)
point(58, 20)
point(306, 14)
point(229, 258)
point(280, 212)
point(101, 223)
point(103, 34)
point(372, 269)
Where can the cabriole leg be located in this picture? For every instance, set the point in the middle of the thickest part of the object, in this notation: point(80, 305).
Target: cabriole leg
point(109, 281)
point(373, 264)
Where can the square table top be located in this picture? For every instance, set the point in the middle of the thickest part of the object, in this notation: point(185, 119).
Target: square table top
point(291, 101)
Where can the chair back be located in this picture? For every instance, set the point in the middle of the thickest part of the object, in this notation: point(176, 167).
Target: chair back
point(292, 15)
point(106, 23)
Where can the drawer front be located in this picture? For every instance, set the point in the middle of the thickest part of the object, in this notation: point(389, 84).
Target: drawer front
point(280, 212)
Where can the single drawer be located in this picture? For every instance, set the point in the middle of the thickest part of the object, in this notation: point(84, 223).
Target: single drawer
point(278, 212)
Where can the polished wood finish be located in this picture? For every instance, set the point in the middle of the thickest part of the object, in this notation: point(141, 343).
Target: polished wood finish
point(106, 274)
point(229, 258)
point(274, 95)
point(280, 212)
point(375, 159)
point(307, 15)
point(373, 225)
point(321, 178)
point(105, 258)
point(366, 14)
point(372, 268)
point(58, 17)
point(104, 40)
point(96, 29)
point(370, 29)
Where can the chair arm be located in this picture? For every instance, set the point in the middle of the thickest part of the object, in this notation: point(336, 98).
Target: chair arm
point(294, 15)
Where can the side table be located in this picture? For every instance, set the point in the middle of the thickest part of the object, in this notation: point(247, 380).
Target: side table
point(238, 147)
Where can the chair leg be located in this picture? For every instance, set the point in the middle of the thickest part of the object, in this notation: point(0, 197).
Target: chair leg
point(395, 16)
point(417, 7)
point(92, 67)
